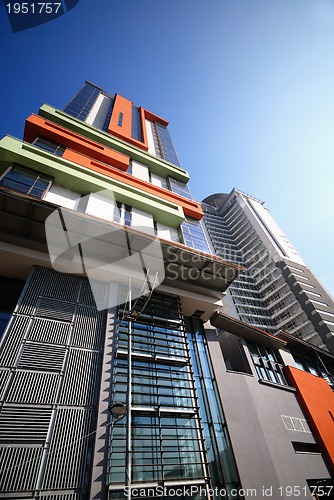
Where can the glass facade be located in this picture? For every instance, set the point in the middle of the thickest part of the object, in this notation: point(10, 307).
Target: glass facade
point(26, 181)
point(180, 188)
point(222, 469)
point(166, 144)
point(193, 235)
point(176, 414)
point(82, 103)
point(136, 124)
point(108, 115)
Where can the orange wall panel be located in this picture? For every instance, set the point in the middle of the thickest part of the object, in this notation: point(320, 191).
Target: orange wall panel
point(38, 126)
point(190, 207)
point(122, 105)
point(317, 400)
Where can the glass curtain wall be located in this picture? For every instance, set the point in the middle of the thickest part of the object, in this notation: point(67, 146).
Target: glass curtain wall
point(167, 440)
point(179, 436)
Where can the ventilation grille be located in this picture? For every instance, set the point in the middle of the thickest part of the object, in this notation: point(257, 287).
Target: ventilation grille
point(80, 378)
point(19, 468)
point(68, 456)
point(295, 424)
point(20, 425)
point(62, 286)
point(11, 344)
point(87, 328)
point(42, 357)
point(34, 288)
point(50, 332)
point(34, 387)
point(55, 309)
point(3, 380)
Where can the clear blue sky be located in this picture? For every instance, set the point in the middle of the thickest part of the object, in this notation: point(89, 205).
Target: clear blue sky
point(247, 85)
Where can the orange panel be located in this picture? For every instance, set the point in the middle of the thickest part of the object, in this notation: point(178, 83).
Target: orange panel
point(38, 126)
point(190, 207)
point(317, 400)
point(123, 131)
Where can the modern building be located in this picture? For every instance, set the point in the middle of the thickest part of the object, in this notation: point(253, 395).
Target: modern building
point(277, 291)
point(111, 297)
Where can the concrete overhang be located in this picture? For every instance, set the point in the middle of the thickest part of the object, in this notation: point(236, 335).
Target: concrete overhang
point(22, 223)
point(304, 348)
point(246, 331)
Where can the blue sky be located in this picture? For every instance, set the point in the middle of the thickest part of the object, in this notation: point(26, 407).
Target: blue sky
point(247, 86)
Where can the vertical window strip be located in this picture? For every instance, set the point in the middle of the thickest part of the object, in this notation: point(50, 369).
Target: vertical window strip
point(82, 103)
point(166, 144)
point(136, 124)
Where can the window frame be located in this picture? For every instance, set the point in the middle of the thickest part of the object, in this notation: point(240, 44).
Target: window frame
point(48, 179)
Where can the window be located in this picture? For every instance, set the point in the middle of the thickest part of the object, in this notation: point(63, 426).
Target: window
point(136, 124)
point(26, 181)
point(179, 187)
point(82, 103)
point(266, 364)
point(193, 235)
point(122, 214)
point(50, 146)
point(120, 119)
point(316, 368)
point(166, 144)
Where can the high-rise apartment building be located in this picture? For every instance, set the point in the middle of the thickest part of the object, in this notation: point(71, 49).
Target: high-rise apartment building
point(277, 291)
point(111, 298)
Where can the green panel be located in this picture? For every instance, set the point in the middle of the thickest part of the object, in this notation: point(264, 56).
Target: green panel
point(81, 180)
point(156, 165)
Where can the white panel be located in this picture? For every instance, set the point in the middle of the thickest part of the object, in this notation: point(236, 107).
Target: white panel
point(142, 221)
point(140, 171)
point(98, 113)
point(63, 197)
point(266, 219)
point(159, 181)
point(168, 233)
point(100, 207)
point(150, 139)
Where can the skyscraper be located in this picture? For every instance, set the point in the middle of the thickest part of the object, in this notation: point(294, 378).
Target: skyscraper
point(277, 291)
point(110, 298)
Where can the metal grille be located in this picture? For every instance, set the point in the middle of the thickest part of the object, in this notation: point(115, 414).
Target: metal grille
point(11, 343)
point(20, 425)
point(3, 380)
point(19, 468)
point(55, 309)
point(56, 313)
point(34, 289)
point(62, 286)
point(50, 332)
point(80, 378)
point(87, 328)
point(33, 387)
point(68, 455)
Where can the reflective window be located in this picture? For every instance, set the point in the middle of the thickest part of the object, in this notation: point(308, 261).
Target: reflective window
point(108, 115)
point(26, 181)
point(267, 364)
point(136, 124)
point(120, 119)
point(166, 144)
point(193, 235)
point(122, 214)
point(82, 103)
point(179, 187)
point(50, 146)
point(166, 430)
